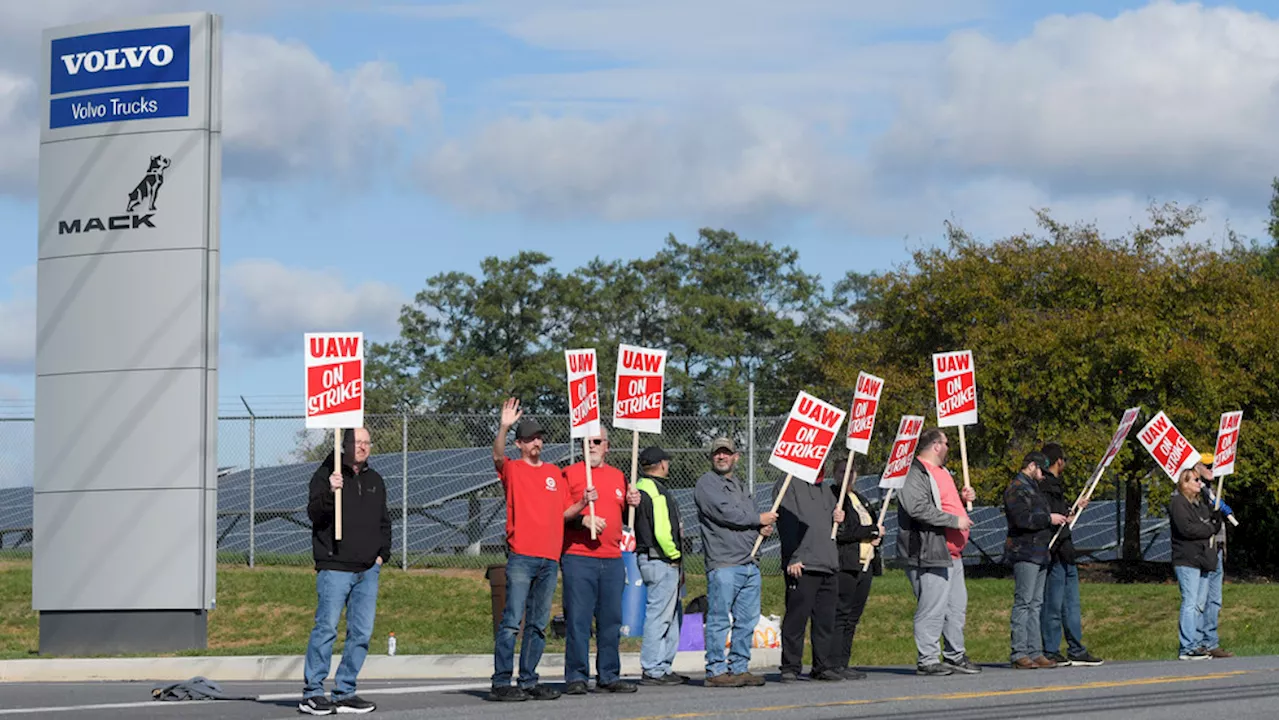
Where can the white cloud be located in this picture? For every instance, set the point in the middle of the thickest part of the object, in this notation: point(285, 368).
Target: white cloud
point(18, 323)
point(289, 113)
point(267, 306)
point(1165, 99)
point(651, 164)
point(19, 135)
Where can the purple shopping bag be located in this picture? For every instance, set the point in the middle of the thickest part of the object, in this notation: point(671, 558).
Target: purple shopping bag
point(691, 633)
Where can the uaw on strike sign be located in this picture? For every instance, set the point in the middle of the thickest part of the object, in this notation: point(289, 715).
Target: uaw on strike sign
point(584, 393)
point(335, 380)
point(903, 451)
point(637, 391)
point(806, 438)
point(955, 388)
point(862, 417)
point(1169, 447)
point(1224, 454)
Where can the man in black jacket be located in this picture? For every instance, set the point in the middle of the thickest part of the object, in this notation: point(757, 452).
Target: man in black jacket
point(1061, 611)
point(346, 572)
point(811, 560)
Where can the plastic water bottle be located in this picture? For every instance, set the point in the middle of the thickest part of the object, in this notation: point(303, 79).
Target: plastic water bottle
point(391, 644)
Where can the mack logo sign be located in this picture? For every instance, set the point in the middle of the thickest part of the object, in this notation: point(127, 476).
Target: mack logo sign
point(147, 56)
point(143, 196)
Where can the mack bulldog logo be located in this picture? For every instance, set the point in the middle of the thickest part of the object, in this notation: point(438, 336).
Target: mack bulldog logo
point(145, 192)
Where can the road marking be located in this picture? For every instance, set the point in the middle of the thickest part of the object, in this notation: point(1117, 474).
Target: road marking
point(959, 695)
point(263, 698)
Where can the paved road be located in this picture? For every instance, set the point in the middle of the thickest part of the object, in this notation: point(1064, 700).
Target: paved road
point(1233, 688)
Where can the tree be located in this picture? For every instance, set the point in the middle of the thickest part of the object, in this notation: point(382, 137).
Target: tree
point(1068, 330)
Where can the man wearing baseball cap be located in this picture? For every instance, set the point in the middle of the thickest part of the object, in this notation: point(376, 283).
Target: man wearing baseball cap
point(659, 544)
point(730, 525)
point(538, 506)
point(1213, 601)
point(1026, 548)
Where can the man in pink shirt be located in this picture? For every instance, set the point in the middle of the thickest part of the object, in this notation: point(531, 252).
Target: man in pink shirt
point(933, 529)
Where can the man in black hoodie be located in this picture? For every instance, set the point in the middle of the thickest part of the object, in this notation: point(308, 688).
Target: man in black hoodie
point(346, 572)
point(811, 561)
point(1061, 611)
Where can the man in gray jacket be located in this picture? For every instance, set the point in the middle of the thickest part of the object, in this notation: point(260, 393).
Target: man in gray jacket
point(812, 563)
point(933, 529)
point(730, 524)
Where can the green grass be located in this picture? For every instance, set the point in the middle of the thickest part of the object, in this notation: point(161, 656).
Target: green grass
point(269, 610)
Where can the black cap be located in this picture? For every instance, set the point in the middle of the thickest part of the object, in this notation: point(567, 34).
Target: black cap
point(651, 456)
point(527, 428)
point(1037, 458)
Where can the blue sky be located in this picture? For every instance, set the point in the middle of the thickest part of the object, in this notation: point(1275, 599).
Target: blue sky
point(372, 145)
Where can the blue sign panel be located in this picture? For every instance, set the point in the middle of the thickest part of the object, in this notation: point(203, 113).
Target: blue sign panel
point(117, 59)
point(118, 106)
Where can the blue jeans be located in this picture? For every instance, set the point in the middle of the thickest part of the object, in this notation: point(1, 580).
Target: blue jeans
point(662, 616)
point(1061, 611)
point(531, 584)
point(731, 589)
point(1212, 606)
point(1193, 584)
point(1024, 620)
point(592, 588)
point(335, 589)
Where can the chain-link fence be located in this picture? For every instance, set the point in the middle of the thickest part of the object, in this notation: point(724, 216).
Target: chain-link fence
point(446, 503)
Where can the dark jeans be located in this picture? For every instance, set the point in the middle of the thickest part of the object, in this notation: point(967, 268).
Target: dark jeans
point(811, 600)
point(531, 583)
point(592, 589)
point(855, 587)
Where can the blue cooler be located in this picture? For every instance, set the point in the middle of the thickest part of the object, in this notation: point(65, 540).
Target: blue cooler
point(634, 597)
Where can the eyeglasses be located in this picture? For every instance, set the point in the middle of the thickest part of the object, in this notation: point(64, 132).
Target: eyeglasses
point(598, 441)
point(364, 443)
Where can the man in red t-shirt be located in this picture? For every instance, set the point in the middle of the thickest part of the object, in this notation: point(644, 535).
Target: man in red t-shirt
point(594, 575)
point(538, 505)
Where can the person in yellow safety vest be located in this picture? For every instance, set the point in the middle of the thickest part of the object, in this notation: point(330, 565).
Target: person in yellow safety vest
point(658, 551)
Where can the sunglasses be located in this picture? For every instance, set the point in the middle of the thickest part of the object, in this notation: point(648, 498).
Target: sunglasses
point(598, 441)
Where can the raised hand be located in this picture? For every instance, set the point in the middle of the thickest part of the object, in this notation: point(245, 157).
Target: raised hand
point(511, 412)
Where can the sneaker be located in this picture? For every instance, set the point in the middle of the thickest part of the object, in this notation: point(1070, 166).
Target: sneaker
point(354, 704)
point(749, 680)
point(507, 693)
point(1059, 658)
point(826, 676)
point(617, 686)
point(1194, 655)
point(853, 674)
point(318, 705)
point(1045, 663)
point(684, 679)
point(1218, 653)
point(542, 692)
point(724, 680)
point(1024, 663)
point(577, 687)
point(788, 677)
point(933, 669)
point(964, 665)
point(668, 679)
point(1086, 659)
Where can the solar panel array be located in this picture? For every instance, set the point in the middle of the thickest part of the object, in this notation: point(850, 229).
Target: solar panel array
point(455, 506)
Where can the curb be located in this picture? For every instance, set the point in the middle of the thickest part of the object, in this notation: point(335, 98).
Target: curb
point(289, 667)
